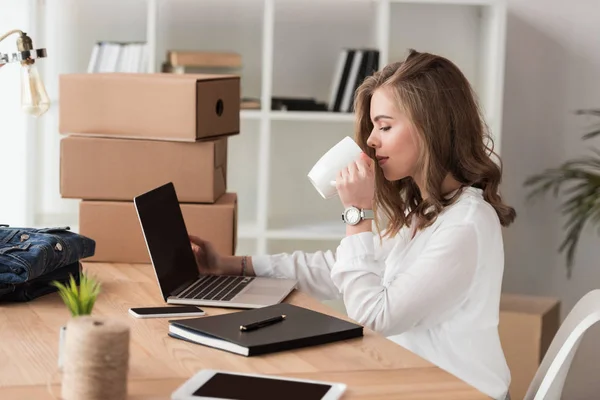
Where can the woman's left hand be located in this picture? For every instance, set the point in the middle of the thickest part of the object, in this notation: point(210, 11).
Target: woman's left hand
point(356, 183)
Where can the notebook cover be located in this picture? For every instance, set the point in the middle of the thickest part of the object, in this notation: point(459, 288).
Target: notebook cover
point(301, 328)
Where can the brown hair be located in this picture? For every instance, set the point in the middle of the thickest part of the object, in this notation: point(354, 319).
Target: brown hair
point(442, 106)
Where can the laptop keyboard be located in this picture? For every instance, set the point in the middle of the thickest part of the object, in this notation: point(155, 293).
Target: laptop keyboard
point(214, 287)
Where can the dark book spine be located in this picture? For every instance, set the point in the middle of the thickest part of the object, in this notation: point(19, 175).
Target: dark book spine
point(362, 74)
point(344, 80)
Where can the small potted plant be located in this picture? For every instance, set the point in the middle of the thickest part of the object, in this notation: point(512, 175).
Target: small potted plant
point(78, 299)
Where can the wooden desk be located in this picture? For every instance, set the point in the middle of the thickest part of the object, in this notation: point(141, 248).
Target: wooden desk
point(372, 366)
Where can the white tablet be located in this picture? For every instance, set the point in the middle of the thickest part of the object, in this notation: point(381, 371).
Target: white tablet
point(210, 384)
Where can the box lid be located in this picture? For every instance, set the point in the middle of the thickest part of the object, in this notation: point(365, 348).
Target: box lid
point(527, 304)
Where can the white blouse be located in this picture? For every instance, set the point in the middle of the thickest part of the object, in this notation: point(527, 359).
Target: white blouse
point(437, 294)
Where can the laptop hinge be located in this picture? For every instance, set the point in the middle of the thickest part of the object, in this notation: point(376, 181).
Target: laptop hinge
point(181, 288)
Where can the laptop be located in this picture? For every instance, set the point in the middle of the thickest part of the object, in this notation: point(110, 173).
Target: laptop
point(174, 262)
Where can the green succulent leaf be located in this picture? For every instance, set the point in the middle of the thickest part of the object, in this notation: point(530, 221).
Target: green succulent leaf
point(79, 299)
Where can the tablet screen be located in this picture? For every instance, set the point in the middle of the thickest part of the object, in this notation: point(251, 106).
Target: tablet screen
point(239, 387)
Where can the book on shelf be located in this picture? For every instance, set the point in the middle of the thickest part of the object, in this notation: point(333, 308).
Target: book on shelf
point(206, 62)
point(250, 103)
point(110, 56)
point(185, 58)
point(296, 104)
point(285, 104)
point(353, 66)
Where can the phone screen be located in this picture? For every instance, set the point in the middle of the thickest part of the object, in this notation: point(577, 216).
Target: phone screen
point(239, 387)
point(166, 310)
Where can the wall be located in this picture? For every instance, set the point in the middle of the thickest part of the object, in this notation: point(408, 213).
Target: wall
point(17, 130)
point(552, 69)
point(71, 28)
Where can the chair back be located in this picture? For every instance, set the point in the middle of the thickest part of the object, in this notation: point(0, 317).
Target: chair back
point(548, 382)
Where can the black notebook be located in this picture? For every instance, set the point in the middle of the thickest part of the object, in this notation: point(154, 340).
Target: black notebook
point(300, 328)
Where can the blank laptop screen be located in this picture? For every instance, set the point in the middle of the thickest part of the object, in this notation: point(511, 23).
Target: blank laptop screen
point(167, 238)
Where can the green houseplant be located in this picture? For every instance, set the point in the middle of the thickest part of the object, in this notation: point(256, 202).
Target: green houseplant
point(79, 299)
point(578, 180)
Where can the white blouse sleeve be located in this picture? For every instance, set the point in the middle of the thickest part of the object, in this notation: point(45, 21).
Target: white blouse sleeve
point(434, 285)
point(312, 270)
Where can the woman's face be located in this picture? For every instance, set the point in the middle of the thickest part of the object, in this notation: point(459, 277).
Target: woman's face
point(393, 137)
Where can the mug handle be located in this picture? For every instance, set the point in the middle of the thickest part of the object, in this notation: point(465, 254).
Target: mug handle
point(332, 183)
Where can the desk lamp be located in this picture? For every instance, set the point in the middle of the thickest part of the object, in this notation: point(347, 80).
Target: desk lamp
point(34, 99)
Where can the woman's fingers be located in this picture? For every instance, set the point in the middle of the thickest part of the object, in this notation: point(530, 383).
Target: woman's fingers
point(196, 240)
point(361, 168)
point(353, 172)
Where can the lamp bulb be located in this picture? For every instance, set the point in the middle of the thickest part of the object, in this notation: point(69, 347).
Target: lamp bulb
point(34, 99)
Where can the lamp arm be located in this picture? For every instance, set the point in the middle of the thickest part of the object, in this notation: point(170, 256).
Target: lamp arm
point(7, 34)
point(26, 53)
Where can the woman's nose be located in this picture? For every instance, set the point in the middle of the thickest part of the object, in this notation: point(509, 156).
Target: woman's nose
point(372, 141)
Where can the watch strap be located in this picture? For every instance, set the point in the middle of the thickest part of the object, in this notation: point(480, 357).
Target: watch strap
point(367, 214)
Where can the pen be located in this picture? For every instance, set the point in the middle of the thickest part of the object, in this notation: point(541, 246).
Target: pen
point(262, 324)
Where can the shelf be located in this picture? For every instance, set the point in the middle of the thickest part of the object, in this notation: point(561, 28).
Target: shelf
point(322, 231)
point(268, 162)
point(311, 116)
point(247, 230)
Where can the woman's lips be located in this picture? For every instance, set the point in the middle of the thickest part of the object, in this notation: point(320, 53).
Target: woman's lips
point(382, 160)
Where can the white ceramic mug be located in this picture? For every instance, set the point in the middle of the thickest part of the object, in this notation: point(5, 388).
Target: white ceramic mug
point(324, 172)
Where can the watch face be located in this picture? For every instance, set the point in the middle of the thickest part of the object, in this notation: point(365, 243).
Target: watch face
point(353, 215)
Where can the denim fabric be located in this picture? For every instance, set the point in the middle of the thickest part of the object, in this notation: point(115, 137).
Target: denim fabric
point(39, 286)
point(27, 253)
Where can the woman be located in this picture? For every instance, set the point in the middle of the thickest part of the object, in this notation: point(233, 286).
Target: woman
point(431, 281)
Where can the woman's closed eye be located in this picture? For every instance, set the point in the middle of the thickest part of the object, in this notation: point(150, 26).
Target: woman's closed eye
point(385, 128)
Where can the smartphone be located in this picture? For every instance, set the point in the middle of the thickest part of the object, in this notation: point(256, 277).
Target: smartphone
point(166, 311)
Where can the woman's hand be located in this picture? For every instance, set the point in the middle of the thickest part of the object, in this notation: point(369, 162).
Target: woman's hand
point(356, 183)
point(209, 262)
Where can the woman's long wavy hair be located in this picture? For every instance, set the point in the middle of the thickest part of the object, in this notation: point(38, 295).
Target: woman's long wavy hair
point(453, 137)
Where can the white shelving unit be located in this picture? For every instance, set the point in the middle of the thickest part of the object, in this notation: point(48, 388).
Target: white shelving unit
point(483, 22)
point(290, 48)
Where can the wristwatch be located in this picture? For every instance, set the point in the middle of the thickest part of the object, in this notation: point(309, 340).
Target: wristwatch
point(353, 215)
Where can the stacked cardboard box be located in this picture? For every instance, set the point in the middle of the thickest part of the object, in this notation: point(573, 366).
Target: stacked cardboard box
point(527, 326)
point(127, 134)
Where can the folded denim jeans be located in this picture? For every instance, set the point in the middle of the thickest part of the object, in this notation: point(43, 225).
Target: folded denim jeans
point(39, 286)
point(28, 253)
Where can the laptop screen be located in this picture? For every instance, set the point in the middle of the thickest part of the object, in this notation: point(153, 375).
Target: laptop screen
point(167, 238)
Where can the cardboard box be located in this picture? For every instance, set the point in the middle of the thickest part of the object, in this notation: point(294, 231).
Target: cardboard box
point(116, 229)
point(527, 326)
point(119, 169)
point(150, 106)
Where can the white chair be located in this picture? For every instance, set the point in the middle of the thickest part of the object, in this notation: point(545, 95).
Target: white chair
point(548, 382)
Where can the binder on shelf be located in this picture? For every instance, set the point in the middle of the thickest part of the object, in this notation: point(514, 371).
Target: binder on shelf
point(353, 66)
point(301, 327)
point(108, 56)
point(351, 84)
point(348, 55)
